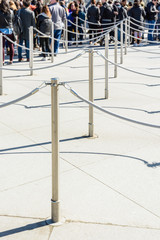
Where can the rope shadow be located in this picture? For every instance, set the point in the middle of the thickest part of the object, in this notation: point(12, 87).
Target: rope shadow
point(152, 165)
point(27, 227)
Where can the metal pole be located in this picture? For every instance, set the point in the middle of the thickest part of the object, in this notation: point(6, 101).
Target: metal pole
point(128, 31)
point(1, 64)
point(66, 37)
point(55, 212)
point(85, 27)
point(115, 53)
point(121, 60)
point(52, 43)
point(91, 124)
point(76, 31)
point(31, 50)
point(125, 37)
point(106, 65)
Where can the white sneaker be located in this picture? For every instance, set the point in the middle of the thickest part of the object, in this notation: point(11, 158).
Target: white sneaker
point(44, 59)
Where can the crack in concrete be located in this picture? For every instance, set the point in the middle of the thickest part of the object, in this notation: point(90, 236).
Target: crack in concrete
point(111, 224)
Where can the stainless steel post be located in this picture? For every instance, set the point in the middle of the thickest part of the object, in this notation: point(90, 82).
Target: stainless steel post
point(85, 27)
point(91, 124)
point(52, 43)
point(31, 49)
point(121, 60)
point(125, 37)
point(128, 31)
point(55, 212)
point(106, 65)
point(115, 52)
point(66, 35)
point(76, 31)
point(1, 64)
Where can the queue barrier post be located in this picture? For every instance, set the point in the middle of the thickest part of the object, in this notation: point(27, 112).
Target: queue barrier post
point(66, 35)
point(1, 64)
point(115, 52)
point(31, 50)
point(52, 43)
point(125, 36)
point(91, 124)
point(76, 31)
point(121, 27)
point(106, 65)
point(55, 203)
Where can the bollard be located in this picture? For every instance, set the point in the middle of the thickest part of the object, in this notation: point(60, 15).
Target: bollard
point(91, 124)
point(125, 36)
point(76, 31)
point(66, 35)
point(1, 64)
point(121, 60)
point(52, 43)
point(128, 31)
point(106, 65)
point(55, 212)
point(31, 50)
point(115, 52)
point(85, 27)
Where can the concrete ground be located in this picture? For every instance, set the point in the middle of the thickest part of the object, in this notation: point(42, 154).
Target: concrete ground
point(109, 185)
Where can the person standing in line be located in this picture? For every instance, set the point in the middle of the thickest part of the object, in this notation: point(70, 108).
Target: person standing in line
point(44, 24)
point(6, 26)
point(58, 17)
point(152, 17)
point(93, 16)
point(138, 14)
point(28, 20)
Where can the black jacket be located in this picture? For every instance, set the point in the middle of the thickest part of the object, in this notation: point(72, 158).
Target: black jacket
point(93, 14)
point(151, 11)
point(44, 24)
point(137, 13)
point(6, 19)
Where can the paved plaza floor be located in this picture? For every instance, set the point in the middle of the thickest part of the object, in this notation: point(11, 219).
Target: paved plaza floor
point(109, 185)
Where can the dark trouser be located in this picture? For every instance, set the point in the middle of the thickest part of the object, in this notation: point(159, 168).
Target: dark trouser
point(45, 44)
point(93, 31)
point(10, 45)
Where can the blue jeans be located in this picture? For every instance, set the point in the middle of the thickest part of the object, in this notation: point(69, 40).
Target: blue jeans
point(20, 49)
point(151, 26)
point(57, 35)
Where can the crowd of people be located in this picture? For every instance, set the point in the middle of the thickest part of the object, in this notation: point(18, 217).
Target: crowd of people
point(100, 15)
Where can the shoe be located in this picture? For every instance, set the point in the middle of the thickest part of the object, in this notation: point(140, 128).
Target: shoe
point(90, 42)
point(95, 44)
point(27, 60)
point(80, 43)
point(20, 59)
point(55, 54)
point(44, 59)
point(10, 62)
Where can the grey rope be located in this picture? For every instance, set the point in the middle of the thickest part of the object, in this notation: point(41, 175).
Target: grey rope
point(105, 111)
point(23, 97)
point(127, 69)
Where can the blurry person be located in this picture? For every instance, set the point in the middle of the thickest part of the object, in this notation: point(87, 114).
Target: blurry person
point(58, 17)
point(6, 26)
point(137, 14)
point(44, 24)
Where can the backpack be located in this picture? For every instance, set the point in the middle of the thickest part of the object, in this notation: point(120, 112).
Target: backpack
point(17, 24)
